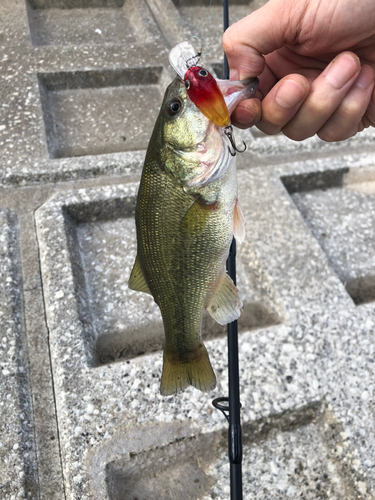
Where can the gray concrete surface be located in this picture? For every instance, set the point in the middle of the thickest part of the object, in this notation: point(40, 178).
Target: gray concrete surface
point(80, 354)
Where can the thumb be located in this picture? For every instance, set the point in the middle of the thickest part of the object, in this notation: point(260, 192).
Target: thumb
point(262, 32)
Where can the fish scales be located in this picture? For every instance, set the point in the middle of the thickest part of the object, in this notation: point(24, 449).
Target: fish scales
point(185, 219)
point(182, 270)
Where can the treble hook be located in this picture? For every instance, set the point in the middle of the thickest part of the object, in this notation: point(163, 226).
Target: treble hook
point(228, 131)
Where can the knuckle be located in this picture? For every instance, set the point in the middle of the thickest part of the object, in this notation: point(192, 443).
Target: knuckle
point(352, 109)
point(319, 108)
point(332, 134)
point(268, 128)
point(296, 135)
point(317, 105)
point(328, 136)
point(228, 42)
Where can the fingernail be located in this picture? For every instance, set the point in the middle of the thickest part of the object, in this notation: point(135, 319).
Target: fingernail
point(365, 78)
point(341, 70)
point(290, 94)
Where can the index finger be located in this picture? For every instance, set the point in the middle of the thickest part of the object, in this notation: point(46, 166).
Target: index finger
point(263, 31)
point(243, 60)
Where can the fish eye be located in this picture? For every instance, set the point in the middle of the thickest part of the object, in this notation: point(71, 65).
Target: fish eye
point(187, 84)
point(202, 72)
point(174, 106)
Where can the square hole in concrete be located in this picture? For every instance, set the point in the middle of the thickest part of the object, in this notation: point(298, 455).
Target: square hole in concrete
point(173, 471)
point(288, 456)
point(125, 323)
point(97, 112)
point(341, 216)
point(75, 22)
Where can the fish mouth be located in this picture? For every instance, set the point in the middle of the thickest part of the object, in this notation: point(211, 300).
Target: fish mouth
point(212, 152)
point(208, 152)
point(235, 92)
point(224, 98)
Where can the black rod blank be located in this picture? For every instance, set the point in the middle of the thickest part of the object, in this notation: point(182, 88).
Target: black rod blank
point(231, 410)
point(234, 432)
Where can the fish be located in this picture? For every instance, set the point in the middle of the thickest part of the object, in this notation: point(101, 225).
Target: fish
point(187, 212)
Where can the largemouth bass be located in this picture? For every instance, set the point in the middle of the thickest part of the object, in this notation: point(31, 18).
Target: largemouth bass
point(186, 215)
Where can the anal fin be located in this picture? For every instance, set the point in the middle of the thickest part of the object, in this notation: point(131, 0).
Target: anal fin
point(225, 305)
point(238, 223)
point(137, 280)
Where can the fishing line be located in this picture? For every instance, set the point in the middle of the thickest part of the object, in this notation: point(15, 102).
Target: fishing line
point(203, 44)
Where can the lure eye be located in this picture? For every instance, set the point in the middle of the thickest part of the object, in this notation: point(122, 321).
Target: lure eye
point(203, 72)
point(187, 84)
point(174, 106)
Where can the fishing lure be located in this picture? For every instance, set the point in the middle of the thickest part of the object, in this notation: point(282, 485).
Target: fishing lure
point(200, 85)
point(202, 89)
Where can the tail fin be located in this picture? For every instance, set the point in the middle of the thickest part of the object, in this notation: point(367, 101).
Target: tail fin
point(178, 375)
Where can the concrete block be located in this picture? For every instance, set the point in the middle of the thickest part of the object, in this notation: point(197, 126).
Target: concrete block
point(100, 349)
point(81, 82)
point(341, 219)
point(76, 95)
point(295, 458)
point(17, 448)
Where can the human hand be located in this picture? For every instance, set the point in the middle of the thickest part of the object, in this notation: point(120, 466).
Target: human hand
point(315, 62)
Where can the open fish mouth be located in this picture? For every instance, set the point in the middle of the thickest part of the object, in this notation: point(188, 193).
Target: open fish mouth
point(209, 152)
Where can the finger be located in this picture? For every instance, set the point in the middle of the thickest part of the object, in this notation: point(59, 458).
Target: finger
point(247, 113)
point(369, 118)
point(282, 103)
point(286, 61)
point(346, 121)
point(246, 41)
point(326, 94)
point(243, 61)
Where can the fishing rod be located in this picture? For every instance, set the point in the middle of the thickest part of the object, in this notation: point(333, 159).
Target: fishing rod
point(231, 406)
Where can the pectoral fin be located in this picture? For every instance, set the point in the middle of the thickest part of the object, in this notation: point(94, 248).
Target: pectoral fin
point(225, 305)
point(196, 217)
point(238, 223)
point(137, 280)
